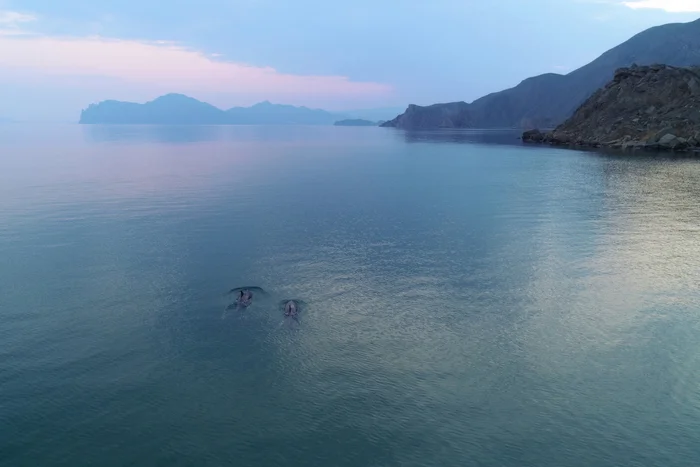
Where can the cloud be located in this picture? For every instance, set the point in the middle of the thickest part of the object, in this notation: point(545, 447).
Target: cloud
point(10, 22)
point(670, 6)
point(13, 18)
point(162, 63)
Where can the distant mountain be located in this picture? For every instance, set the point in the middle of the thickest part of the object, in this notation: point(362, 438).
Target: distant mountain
point(266, 113)
point(168, 109)
point(547, 100)
point(184, 110)
point(355, 122)
point(374, 115)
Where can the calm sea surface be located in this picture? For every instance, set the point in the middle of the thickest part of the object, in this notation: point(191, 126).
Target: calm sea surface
point(470, 301)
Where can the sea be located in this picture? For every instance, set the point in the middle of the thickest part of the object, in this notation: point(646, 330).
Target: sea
point(466, 300)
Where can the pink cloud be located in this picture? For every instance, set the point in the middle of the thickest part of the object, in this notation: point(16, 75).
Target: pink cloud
point(166, 65)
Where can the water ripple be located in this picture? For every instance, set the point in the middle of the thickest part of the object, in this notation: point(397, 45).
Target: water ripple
point(468, 303)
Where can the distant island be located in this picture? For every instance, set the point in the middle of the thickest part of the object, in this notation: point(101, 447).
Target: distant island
point(547, 100)
point(178, 109)
point(355, 122)
point(650, 107)
point(184, 110)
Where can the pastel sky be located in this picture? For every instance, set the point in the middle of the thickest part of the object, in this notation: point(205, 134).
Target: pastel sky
point(57, 57)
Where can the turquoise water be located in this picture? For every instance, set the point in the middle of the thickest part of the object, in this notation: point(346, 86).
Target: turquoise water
point(470, 301)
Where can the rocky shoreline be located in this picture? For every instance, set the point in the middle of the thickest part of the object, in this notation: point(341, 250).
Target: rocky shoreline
point(664, 140)
point(643, 108)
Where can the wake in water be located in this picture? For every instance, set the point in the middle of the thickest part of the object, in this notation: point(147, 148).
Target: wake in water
point(291, 309)
point(251, 289)
point(244, 298)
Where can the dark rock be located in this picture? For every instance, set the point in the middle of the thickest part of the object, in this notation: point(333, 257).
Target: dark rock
point(620, 116)
point(660, 134)
point(533, 136)
point(667, 139)
point(634, 145)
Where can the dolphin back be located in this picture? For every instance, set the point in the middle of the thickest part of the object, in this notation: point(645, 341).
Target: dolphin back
point(251, 288)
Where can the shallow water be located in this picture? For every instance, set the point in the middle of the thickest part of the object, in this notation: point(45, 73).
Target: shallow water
point(469, 301)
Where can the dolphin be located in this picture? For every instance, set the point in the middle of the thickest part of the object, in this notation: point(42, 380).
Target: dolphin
point(244, 297)
point(291, 309)
point(247, 289)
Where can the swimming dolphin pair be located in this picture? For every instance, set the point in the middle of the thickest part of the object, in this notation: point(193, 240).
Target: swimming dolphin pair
point(290, 307)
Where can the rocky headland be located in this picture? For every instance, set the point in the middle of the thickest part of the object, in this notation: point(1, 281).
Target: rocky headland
point(653, 107)
point(416, 117)
point(547, 100)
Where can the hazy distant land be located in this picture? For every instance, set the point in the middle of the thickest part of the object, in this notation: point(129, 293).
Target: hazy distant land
point(184, 110)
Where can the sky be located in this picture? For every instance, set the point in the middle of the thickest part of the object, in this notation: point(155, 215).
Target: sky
point(57, 57)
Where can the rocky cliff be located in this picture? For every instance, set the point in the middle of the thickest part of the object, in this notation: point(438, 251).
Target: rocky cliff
point(452, 115)
point(547, 100)
point(655, 107)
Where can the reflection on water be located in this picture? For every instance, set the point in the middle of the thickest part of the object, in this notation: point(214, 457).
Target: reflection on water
point(152, 133)
point(173, 134)
point(510, 137)
point(465, 305)
point(178, 134)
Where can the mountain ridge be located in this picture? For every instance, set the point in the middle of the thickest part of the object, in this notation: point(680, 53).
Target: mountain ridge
point(180, 109)
point(548, 99)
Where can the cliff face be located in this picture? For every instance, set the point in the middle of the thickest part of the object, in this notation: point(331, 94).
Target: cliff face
point(452, 115)
point(547, 100)
point(655, 107)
